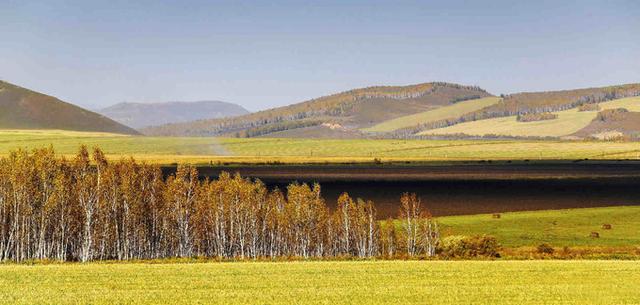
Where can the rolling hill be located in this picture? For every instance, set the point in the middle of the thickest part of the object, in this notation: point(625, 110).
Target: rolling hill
point(427, 110)
point(446, 112)
point(139, 115)
point(432, 110)
point(501, 117)
point(342, 113)
point(26, 109)
point(569, 123)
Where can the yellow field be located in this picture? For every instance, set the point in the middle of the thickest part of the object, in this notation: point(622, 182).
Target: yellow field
point(448, 112)
point(167, 150)
point(568, 122)
point(363, 282)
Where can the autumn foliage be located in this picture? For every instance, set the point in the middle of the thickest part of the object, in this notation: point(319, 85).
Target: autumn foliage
point(88, 208)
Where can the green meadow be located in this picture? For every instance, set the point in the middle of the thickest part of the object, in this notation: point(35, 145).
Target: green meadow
point(571, 227)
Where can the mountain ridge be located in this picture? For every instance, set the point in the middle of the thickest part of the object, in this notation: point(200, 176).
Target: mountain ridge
point(140, 115)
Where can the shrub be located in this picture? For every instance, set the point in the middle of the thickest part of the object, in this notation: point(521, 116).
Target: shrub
point(533, 117)
point(611, 115)
point(544, 248)
point(589, 107)
point(465, 98)
point(469, 247)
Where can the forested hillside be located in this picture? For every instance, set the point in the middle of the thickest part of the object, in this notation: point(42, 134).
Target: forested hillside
point(346, 111)
point(528, 106)
point(537, 102)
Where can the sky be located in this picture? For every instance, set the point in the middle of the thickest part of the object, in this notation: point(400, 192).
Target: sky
point(264, 54)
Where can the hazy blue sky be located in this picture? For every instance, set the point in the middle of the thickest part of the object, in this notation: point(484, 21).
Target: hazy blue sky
point(97, 53)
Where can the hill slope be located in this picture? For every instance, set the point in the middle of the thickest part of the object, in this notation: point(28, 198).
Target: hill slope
point(614, 123)
point(138, 115)
point(348, 111)
point(501, 117)
point(452, 111)
point(22, 108)
point(568, 122)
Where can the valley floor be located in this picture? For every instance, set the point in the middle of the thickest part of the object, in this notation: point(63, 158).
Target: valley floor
point(203, 150)
point(361, 282)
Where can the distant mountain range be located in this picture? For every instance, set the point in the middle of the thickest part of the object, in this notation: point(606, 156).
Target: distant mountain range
point(22, 108)
point(138, 115)
point(428, 110)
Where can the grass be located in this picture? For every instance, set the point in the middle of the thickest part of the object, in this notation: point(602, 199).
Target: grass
point(567, 123)
point(367, 282)
point(447, 112)
point(364, 282)
point(570, 227)
point(167, 150)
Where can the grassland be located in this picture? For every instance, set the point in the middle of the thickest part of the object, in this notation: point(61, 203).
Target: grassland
point(567, 123)
point(447, 112)
point(365, 282)
point(167, 150)
point(559, 228)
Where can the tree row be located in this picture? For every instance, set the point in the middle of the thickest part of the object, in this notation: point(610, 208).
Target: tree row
point(88, 208)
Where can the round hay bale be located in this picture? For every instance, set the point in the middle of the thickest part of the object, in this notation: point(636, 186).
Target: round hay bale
point(606, 226)
point(595, 235)
point(496, 215)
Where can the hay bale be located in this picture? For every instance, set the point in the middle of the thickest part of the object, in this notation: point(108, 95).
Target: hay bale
point(496, 215)
point(606, 226)
point(595, 235)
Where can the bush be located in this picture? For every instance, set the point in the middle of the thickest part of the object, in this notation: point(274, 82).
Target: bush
point(533, 117)
point(544, 248)
point(469, 247)
point(611, 115)
point(589, 107)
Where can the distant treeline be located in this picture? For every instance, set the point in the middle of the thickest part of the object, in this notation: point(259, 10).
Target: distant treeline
point(88, 208)
point(276, 127)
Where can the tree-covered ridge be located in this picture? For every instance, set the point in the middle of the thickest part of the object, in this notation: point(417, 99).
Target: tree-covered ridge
point(87, 208)
point(529, 103)
point(341, 107)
